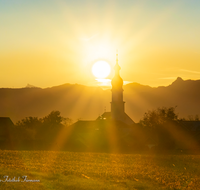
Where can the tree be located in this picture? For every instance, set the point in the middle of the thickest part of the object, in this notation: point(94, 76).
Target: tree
point(154, 118)
point(29, 122)
point(41, 128)
point(27, 128)
point(192, 118)
point(54, 119)
point(159, 124)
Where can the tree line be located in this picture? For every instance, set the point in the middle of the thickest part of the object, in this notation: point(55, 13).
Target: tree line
point(44, 129)
point(165, 129)
point(160, 126)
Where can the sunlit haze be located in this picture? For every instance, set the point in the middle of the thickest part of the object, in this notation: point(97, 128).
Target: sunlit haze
point(48, 43)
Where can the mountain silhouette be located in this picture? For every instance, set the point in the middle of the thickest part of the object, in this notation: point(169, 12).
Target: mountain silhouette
point(84, 102)
point(30, 86)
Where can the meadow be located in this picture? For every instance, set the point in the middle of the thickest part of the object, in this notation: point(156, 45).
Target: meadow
point(76, 170)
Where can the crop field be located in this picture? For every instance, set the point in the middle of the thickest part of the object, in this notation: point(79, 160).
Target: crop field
point(72, 170)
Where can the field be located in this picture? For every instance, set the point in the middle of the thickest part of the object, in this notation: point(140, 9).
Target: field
point(67, 170)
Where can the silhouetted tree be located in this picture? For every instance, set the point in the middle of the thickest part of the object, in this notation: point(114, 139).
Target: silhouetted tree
point(192, 118)
point(32, 128)
point(53, 119)
point(29, 122)
point(154, 118)
point(158, 124)
point(67, 121)
point(27, 128)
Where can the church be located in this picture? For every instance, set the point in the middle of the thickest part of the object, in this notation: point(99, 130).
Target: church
point(117, 105)
point(111, 132)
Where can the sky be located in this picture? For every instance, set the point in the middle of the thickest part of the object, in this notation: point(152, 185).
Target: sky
point(51, 42)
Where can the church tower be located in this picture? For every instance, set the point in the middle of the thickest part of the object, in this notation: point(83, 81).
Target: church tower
point(117, 104)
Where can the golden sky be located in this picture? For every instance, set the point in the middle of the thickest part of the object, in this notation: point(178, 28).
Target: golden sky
point(48, 43)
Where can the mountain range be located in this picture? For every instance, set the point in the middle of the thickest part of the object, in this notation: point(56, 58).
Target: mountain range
point(85, 102)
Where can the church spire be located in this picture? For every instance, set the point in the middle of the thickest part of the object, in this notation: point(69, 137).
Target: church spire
point(117, 68)
point(117, 56)
point(117, 81)
point(117, 104)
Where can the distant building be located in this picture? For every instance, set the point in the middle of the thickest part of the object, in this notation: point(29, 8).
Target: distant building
point(6, 128)
point(6, 132)
point(117, 105)
point(112, 131)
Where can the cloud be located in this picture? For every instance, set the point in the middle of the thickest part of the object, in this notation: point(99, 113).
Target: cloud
point(105, 83)
point(127, 82)
point(189, 71)
point(168, 78)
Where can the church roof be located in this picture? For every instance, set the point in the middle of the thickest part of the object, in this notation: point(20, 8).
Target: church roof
point(84, 124)
point(89, 124)
point(104, 135)
point(105, 115)
point(108, 116)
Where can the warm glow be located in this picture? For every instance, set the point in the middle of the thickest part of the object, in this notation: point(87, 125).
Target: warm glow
point(101, 69)
point(62, 39)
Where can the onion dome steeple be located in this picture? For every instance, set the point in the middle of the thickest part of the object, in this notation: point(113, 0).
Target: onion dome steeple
point(117, 104)
point(117, 81)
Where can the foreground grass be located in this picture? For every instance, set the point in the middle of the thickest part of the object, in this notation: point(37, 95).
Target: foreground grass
point(67, 170)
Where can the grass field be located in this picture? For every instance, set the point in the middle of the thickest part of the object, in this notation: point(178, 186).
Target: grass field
point(67, 170)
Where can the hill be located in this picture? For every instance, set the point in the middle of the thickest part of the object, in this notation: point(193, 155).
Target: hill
point(78, 101)
point(183, 94)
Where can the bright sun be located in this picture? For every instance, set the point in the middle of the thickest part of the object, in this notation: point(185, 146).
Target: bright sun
point(101, 69)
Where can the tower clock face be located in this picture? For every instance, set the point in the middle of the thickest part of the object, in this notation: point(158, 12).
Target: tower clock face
point(101, 69)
